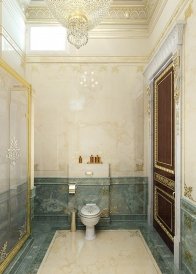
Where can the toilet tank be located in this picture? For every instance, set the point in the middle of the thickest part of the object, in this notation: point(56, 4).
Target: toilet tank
point(88, 170)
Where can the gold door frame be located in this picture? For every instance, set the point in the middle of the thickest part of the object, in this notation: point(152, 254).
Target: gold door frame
point(11, 72)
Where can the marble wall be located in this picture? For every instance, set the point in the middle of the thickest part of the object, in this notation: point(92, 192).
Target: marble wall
point(84, 109)
point(118, 198)
point(188, 212)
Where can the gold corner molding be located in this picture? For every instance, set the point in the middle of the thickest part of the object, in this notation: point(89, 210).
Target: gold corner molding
point(188, 192)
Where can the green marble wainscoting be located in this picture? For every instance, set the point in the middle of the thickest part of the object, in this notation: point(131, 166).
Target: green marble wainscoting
point(128, 198)
point(120, 199)
point(51, 199)
point(188, 211)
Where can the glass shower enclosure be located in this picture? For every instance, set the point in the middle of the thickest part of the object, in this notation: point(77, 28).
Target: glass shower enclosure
point(15, 96)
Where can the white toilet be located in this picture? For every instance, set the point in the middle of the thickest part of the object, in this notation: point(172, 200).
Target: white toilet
point(90, 215)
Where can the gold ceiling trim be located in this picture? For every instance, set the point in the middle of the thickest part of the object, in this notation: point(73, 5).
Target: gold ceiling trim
point(34, 13)
point(126, 13)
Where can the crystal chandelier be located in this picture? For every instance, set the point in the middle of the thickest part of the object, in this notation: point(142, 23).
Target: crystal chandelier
point(78, 16)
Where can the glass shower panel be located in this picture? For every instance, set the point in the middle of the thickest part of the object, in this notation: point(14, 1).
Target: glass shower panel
point(14, 164)
point(4, 164)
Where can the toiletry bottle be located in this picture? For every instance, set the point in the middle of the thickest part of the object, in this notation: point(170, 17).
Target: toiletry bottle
point(80, 159)
point(91, 159)
point(97, 159)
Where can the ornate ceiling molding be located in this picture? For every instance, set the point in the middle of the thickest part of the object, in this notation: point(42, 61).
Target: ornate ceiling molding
point(127, 14)
point(124, 12)
point(166, 50)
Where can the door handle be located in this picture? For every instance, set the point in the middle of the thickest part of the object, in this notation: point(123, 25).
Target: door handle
point(173, 194)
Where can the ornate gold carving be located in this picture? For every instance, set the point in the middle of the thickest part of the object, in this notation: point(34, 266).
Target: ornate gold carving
point(156, 162)
point(188, 222)
point(122, 12)
point(3, 253)
point(22, 231)
point(13, 152)
point(188, 192)
point(148, 110)
point(105, 212)
point(176, 66)
point(114, 210)
point(188, 257)
point(165, 181)
point(139, 167)
point(156, 212)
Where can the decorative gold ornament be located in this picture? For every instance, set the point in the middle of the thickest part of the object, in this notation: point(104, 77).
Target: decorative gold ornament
point(3, 253)
point(188, 257)
point(176, 66)
point(188, 192)
point(188, 222)
point(13, 152)
point(148, 99)
point(78, 16)
point(105, 212)
point(164, 180)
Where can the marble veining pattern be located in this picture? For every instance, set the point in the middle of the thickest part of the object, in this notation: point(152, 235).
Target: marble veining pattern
point(112, 252)
point(51, 199)
point(125, 196)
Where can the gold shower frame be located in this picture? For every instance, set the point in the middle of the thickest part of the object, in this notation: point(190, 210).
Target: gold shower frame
point(21, 242)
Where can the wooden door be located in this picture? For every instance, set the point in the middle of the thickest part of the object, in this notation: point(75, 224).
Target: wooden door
point(164, 156)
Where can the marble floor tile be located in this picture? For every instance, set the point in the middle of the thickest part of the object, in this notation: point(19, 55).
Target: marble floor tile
point(112, 252)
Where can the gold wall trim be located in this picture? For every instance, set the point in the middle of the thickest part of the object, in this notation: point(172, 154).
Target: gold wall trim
point(23, 237)
point(156, 161)
point(156, 212)
point(164, 181)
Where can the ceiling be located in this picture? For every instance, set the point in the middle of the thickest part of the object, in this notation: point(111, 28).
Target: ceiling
point(124, 16)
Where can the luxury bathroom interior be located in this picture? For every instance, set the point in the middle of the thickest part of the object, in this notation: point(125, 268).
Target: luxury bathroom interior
point(97, 131)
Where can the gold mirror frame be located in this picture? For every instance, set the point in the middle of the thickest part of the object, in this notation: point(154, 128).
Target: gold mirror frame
point(12, 253)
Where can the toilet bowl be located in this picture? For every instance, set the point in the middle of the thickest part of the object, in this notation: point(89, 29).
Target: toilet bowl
point(90, 215)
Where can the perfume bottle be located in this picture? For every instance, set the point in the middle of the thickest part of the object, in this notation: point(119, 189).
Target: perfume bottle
point(80, 159)
point(92, 159)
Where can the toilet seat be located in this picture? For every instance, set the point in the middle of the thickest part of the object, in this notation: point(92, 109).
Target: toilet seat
point(90, 210)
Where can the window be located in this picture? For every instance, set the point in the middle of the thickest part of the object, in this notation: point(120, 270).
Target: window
point(48, 38)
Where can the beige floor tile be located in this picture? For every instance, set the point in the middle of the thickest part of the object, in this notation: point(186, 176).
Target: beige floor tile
point(112, 252)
